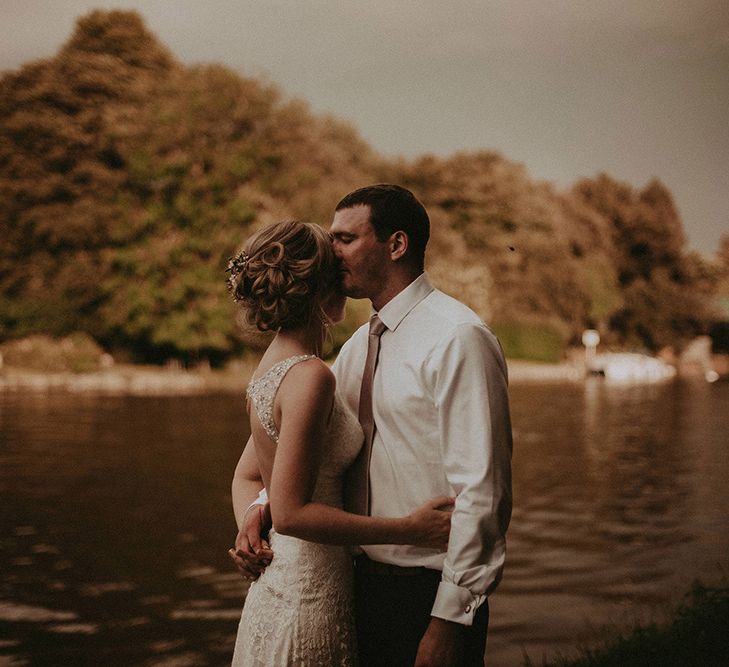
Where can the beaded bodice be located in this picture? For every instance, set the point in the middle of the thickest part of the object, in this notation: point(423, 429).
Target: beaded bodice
point(342, 440)
point(262, 391)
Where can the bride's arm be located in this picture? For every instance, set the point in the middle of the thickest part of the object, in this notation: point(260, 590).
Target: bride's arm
point(247, 482)
point(251, 553)
point(306, 397)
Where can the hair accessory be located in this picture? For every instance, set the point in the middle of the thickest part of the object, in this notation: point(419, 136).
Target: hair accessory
point(236, 266)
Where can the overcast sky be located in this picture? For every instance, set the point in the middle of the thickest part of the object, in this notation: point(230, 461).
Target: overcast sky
point(638, 88)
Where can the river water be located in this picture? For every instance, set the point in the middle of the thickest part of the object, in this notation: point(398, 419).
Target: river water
point(115, 520)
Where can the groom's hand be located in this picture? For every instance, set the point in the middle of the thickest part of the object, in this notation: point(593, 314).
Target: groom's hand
point(441, 645)
point(252, 553)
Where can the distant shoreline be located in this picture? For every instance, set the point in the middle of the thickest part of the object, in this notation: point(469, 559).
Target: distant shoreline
point(157, 381)
point(129, 379)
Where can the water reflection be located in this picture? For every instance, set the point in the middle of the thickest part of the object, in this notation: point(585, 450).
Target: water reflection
point(610, 503)
point(116, 520)
point(116, 516)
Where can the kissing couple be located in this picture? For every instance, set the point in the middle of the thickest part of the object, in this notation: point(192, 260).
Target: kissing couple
point(385, 481)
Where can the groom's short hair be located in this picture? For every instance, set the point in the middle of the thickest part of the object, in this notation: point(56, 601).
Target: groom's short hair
point(393, 208)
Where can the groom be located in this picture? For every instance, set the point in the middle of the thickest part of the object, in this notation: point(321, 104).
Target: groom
point(429, 382)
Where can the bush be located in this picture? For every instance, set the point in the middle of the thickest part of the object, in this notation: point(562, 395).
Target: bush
point(77, 353)
point(696, 636)
point(719, 333)
point(529, 341)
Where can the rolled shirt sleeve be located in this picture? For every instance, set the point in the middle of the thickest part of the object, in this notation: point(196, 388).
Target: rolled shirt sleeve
point(470, 395)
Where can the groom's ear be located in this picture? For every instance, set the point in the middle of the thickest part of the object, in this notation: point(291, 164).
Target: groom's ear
point(398, 245)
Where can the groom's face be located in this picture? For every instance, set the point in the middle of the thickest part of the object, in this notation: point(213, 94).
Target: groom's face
point(363, 259)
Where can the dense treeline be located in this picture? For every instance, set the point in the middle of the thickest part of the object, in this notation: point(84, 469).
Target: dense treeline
point(127, 180)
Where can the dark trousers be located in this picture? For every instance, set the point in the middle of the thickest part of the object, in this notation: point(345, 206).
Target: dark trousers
point(393, 612)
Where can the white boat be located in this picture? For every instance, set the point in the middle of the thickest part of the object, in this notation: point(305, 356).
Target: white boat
point(630, 367)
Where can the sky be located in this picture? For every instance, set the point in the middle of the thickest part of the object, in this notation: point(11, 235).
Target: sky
point(638, 89)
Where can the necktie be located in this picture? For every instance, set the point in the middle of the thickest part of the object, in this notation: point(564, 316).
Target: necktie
point(358, 491)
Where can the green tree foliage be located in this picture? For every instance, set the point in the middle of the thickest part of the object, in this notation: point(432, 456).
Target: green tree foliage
point(720, 328)
point(61, 173)
point(524, 252)
point(664, 288)
point(127, 180)
point(131, 179)
point(721, 271)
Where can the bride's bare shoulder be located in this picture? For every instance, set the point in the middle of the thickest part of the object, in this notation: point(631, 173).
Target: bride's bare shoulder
point(310, 376)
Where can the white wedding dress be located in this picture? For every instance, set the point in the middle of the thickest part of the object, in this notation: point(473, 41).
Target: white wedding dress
point(300, 611)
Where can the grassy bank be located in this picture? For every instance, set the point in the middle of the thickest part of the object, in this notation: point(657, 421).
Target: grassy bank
point(698, 635)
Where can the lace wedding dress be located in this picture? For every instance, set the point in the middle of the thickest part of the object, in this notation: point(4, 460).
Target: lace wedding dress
point(300, 611)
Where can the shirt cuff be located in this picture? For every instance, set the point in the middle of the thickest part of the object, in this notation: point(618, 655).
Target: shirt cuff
point(261, 499)
point(453, 603)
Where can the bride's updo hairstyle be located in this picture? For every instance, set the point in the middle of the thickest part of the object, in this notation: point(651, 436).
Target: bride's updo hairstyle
point(283, 274)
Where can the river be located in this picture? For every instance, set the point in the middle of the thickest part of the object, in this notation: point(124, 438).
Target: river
point(115, 520)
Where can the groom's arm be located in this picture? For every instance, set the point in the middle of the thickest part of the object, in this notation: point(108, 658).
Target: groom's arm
point(475, 436)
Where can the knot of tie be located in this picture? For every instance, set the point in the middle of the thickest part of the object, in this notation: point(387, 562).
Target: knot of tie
point(376, 326)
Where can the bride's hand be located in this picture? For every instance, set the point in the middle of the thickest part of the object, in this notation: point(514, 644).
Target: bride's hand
point(251, 553)
point(430, 524)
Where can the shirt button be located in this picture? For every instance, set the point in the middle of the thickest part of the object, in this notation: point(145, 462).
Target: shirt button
point(468, 608)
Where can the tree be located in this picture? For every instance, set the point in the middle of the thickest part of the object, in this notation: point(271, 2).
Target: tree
point(665, 298)
point(60, 172)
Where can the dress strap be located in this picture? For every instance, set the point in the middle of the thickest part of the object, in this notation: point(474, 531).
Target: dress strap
point(262, 391)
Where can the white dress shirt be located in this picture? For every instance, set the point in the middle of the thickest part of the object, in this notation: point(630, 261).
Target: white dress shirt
point(442, 423)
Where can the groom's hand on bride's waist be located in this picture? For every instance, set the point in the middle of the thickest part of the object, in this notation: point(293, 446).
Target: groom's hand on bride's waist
point(252, 553)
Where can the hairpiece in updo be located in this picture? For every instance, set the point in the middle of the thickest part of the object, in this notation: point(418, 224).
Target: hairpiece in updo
point(236, 266)
point(282, 275)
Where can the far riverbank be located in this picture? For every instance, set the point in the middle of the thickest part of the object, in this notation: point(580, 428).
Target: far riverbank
point(155, 380)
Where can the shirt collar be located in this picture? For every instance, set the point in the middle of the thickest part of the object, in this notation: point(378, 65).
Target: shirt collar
point(395, 310)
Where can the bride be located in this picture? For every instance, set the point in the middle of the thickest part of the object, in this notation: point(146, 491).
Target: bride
point(303, 438)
